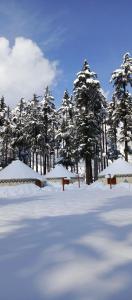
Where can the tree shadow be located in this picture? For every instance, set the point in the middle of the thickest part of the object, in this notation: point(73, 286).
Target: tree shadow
point(79, 256)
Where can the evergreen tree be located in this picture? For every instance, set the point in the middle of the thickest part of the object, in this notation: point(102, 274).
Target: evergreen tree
point(5, 133)
point(89, 102)
point(64, 136)
point(122, 113)
point(33, 129)
point(20, 138)
point(47, 138)
point(112, 126)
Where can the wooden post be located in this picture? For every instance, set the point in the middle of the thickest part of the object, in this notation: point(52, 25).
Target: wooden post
point(78, 181)
point(110, 182)
point(65, 181)
point(63, 184)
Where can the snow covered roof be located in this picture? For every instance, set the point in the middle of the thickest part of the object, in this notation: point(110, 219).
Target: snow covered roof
point(59, 171)
point(18, 170)
point(118, 167)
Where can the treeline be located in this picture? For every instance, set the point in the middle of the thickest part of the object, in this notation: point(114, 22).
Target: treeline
point(86, 126)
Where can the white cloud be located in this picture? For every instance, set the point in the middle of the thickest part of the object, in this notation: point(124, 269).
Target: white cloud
point(24, 70)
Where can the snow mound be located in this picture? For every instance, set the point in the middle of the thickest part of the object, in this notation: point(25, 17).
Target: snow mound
point(118, 167)
point(19, 190)
point(59, 171)
point(98, 186)
point(123, 185)
point(18, 170)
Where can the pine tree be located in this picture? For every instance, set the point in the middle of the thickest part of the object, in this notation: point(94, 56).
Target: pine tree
point(122, 114)
point(112, 126)
point(64, 135)
point(5, 133)
point(89, 102)
point(20, 138)
point(33, 128)
point(47, 138)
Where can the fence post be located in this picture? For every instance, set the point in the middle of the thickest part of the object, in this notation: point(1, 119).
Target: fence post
point(78, 181)
point(63, 184)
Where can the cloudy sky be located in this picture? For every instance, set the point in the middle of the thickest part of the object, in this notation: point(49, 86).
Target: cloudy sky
point(44, 42)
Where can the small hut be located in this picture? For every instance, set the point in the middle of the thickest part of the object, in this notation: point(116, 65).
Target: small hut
point(58, 173)
point(117, 172)
point(18, 172)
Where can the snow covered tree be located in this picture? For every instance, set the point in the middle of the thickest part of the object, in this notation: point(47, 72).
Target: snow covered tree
point(89, 102)
point(29, 132)
point(47, 137)
point(122, 113)
point(20, 138)
point(33, 129)
point(112, 125)
point(3, 110)
point(5, 133)
point(64, 135)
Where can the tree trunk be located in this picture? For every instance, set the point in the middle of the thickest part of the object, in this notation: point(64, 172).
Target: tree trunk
point(45, 162)
point(33, 160)
point(57, 152)
point(126, 142)
point(88, 164)
point(40, 157)
point(103, 146)
point(106, 145)
point(30, 159)
point(36, 161)
point(54, 159)
point(48, 162)
point(101, 153)
point(126, 151)
point(96, 162)
point(96, 168)
point(76, 168)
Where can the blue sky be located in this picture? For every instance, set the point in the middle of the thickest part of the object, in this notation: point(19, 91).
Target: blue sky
point(70, 31)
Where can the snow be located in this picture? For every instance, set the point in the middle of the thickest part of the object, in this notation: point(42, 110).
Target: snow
point(59, 171)
point(27, 189)
point(67, 245)
point(76, 81)
point(118, 167)
point(92, 81)
point(18, 170)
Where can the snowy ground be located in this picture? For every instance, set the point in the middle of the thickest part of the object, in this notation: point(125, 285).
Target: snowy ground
point(72, 245)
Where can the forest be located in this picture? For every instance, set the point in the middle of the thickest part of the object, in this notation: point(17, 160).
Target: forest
point(87, 126)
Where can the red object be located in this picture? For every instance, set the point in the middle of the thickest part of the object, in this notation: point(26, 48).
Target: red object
point(111, 180)
point(65, 181)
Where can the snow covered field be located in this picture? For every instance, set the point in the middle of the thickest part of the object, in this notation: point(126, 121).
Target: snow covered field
point(72, 245)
